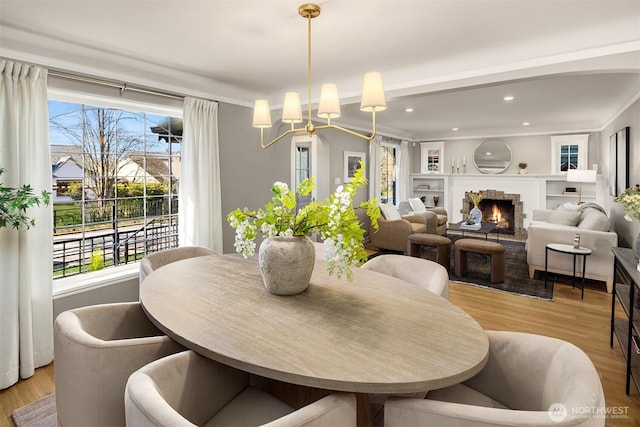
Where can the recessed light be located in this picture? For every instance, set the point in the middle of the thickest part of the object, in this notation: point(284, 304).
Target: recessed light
point(408, 110)
point(454, 129)
point(508, 98)
point(525, 123)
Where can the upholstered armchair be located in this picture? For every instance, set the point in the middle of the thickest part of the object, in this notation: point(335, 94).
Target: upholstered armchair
point(96, 348)
point(436, 218)
point(423, 273)
point(393, 229)
point(187, 389)
point(529, 380)
point(156, 260)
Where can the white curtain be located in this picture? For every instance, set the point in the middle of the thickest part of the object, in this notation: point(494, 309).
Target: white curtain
point(404, 167)
point(374, 168)
point(199, 212)
point(26, 302)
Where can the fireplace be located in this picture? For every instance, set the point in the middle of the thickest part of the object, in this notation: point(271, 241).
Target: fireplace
point(506, 210)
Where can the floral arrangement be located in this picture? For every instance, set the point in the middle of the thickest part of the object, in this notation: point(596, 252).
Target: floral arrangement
point(522, 165)
point(14, 203)
point(630, 199)
point(335, 220)
point(475, 197)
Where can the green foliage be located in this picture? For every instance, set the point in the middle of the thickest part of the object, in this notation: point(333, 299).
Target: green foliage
point(75, 191)
point(630, 199)
point(335, 220)
point(14, 203)
point(97, 260)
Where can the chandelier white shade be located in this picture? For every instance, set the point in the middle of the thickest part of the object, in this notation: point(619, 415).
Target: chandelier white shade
point(373, 99)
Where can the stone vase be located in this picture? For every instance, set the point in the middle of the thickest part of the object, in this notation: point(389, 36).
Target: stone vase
point(476, 214)
point(286, 264)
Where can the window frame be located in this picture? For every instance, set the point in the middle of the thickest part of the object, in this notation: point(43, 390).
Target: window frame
point(559, 141)
point(77, 94)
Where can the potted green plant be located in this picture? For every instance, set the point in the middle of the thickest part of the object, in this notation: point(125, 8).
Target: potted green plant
point(286, 254)
point(14, 203)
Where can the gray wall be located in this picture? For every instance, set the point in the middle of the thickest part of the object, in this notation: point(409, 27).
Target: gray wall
point(534, 150)
point(248, 171)
point(627, 231)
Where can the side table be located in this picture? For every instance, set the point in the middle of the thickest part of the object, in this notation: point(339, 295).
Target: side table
point(568, 249)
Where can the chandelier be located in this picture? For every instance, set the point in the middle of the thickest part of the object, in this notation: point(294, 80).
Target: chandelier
point(329, 108)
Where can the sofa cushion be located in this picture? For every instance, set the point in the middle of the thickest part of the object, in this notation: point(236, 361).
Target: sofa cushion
point(389, 212)
point(442, 219)
point(417, 205)
point(563, 216)
point(592, 219)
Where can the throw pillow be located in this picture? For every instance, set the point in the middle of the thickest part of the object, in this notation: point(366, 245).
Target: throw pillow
point(417, 205)
point(389, 212)
point(564, 217)
point(593, 219)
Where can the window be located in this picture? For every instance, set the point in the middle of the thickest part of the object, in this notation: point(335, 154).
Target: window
point(431, 155)
point(115, 176)
point(388, 173)
point(569, 152)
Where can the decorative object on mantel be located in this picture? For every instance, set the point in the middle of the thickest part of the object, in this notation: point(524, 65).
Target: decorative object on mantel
point(14, 203)
point(475, 213)
point(630, 200)
point(523, 167)
point(436, 200)
point(284, 226)
point(329, 108)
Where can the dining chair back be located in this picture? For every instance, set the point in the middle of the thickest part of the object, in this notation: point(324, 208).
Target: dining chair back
point(153, 261)
point(421, 272)
point(96, 348)
point(186, 389)
point(529, 380)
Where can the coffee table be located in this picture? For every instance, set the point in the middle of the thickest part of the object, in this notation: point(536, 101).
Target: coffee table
point(485, 228)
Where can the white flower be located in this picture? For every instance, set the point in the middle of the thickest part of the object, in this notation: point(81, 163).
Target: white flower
point(282, 187)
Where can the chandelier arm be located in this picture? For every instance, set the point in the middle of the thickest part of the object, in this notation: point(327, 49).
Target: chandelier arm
point(292, 130)
point(349, 131)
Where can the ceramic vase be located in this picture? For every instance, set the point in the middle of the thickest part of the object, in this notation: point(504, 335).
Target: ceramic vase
point(476, 214)
point(286, 264)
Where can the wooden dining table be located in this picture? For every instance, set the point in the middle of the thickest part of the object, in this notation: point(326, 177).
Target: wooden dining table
point(373, 335)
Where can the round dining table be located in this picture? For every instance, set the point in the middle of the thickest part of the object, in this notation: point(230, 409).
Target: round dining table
point(373, 335)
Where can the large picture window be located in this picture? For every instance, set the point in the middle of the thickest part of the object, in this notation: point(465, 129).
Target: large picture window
point(116, 175)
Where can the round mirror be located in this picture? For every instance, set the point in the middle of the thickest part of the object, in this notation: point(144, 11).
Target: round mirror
point(492, 156)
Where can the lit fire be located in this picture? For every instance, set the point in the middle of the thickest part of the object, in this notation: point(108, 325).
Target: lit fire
point(496, 215)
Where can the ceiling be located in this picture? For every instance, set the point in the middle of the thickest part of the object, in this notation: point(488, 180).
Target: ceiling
point(571, 65)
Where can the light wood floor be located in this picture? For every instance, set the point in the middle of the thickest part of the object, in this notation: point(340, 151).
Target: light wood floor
point(582, 322)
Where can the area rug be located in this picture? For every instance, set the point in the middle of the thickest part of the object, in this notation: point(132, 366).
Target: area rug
point(41, 413)
point(516, 273)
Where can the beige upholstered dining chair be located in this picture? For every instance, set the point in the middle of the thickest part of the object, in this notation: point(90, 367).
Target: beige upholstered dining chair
point(529, 380)
point(187, 389)
point(156, 260)
point(96, 348)
point(421, 272)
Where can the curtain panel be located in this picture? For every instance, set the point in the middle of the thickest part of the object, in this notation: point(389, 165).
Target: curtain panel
point(26, 301)
point(199, 211)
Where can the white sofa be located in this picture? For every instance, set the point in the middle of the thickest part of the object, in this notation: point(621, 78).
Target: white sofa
point(560, 226)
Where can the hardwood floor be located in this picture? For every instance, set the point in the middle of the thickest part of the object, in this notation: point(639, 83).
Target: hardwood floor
point(582, 322)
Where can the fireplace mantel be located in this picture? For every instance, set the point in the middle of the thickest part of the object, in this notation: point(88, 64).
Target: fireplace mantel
point(536, 191)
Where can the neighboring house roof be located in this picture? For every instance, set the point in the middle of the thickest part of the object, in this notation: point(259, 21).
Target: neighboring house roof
point(66, 163)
